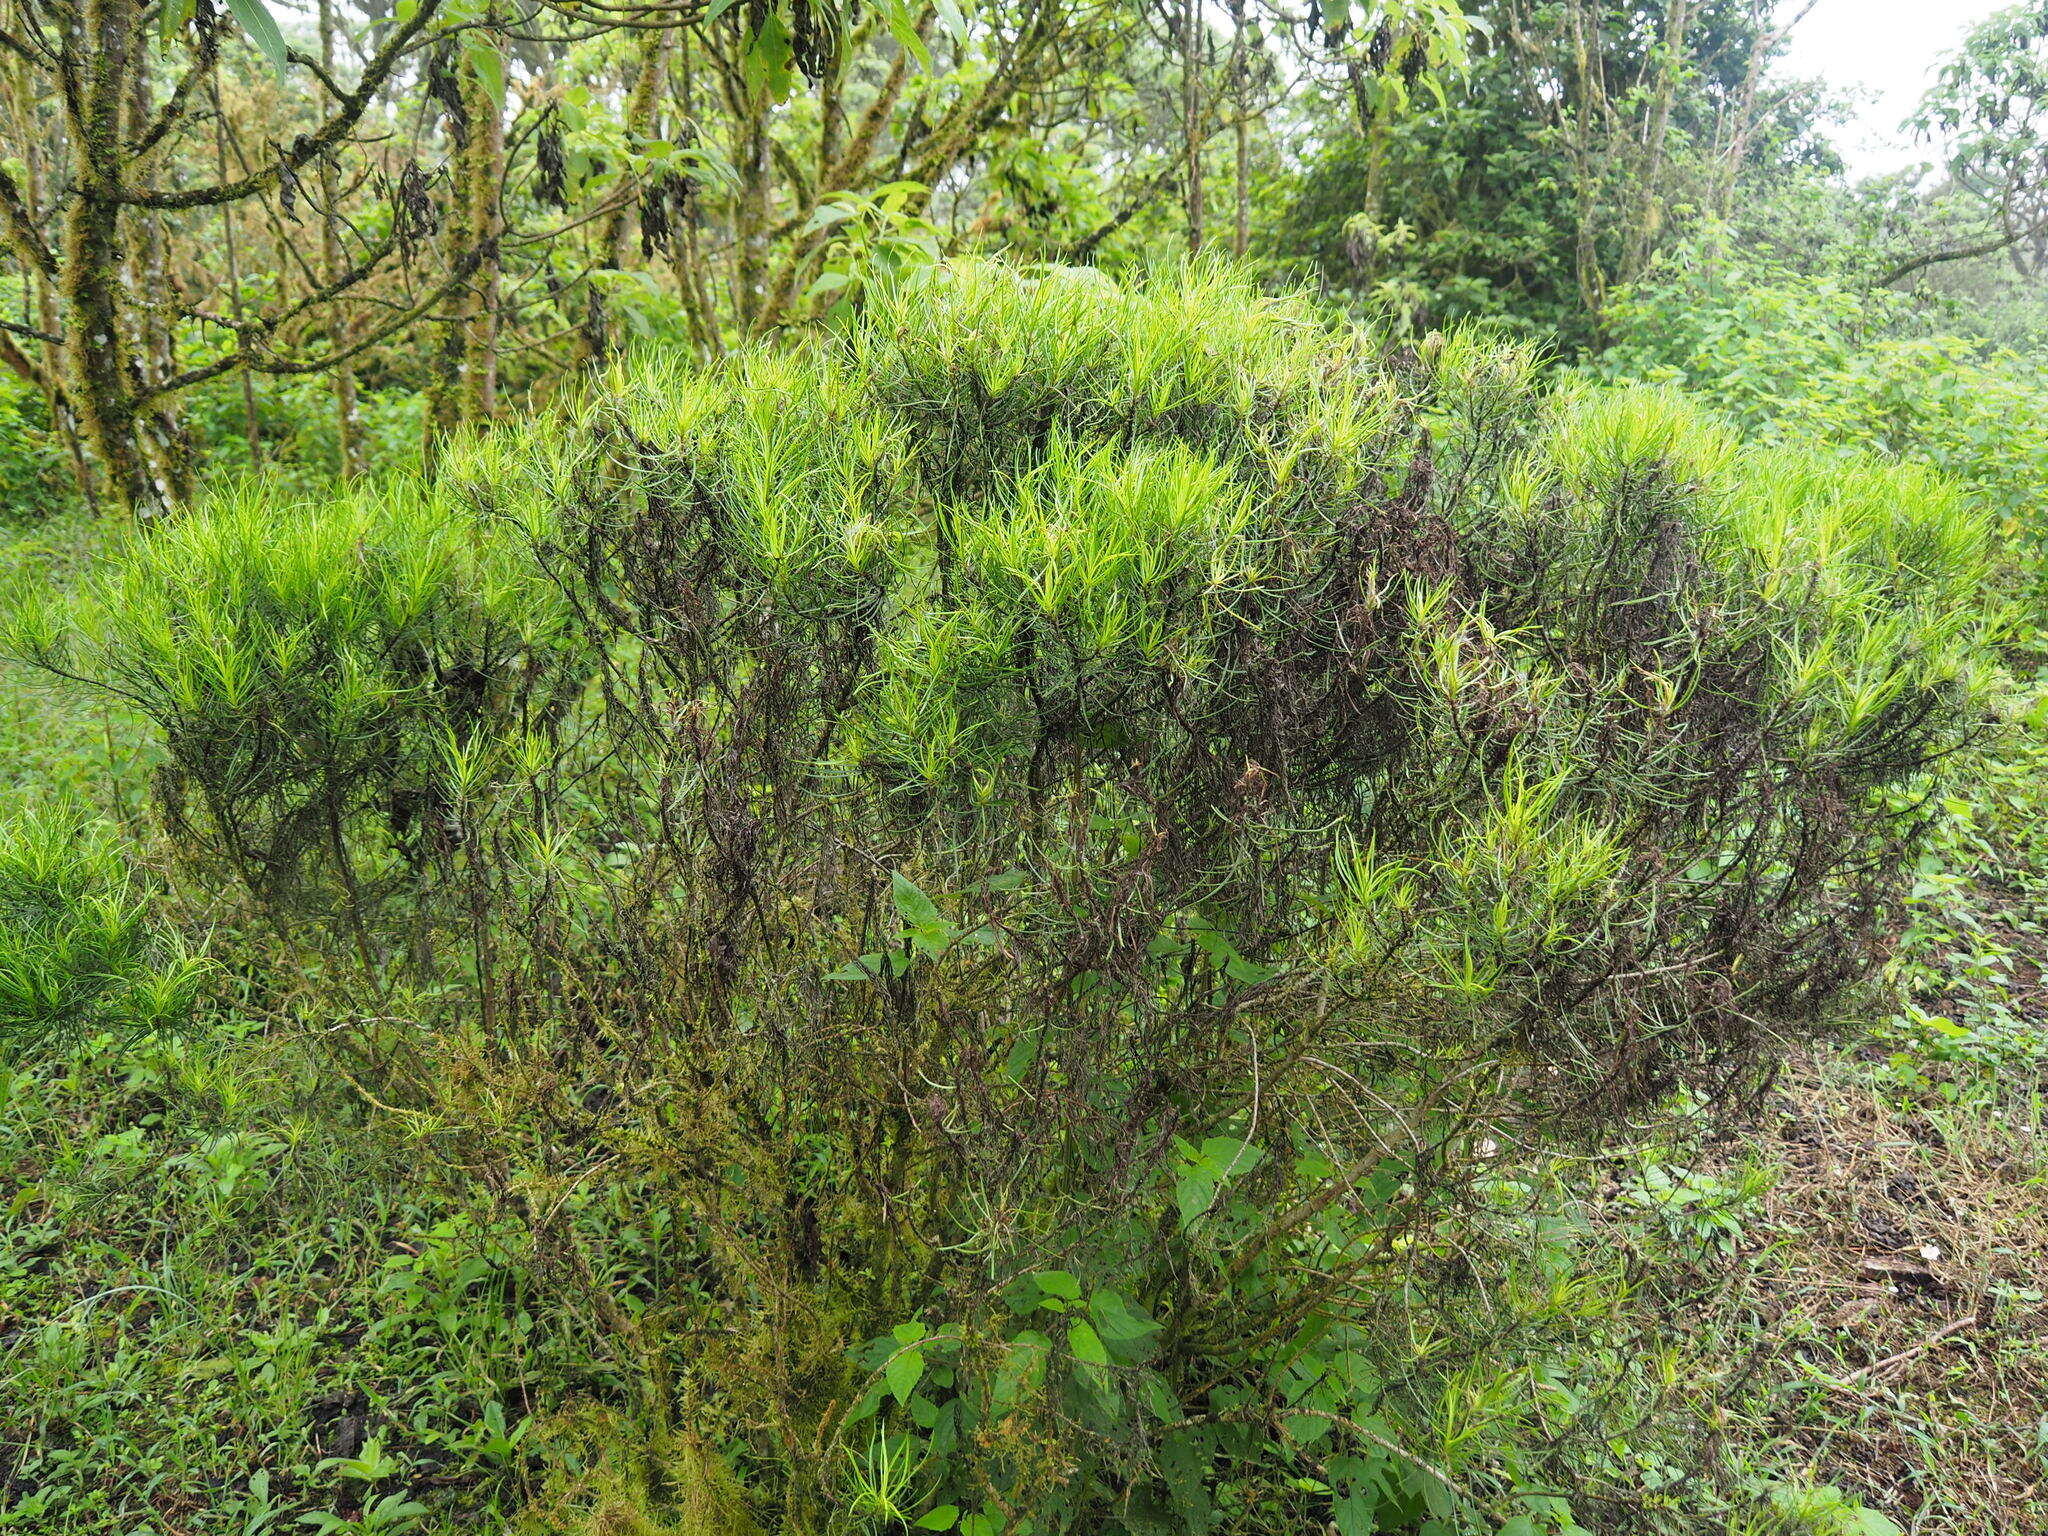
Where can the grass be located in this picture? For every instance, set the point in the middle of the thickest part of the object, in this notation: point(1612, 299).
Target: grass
point(1896, 1281)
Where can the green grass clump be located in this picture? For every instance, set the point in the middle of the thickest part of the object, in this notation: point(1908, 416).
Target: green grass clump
point(80, 954)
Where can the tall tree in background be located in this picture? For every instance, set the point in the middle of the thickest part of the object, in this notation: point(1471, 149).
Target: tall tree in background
point(1992, 104)
point(1548, 170)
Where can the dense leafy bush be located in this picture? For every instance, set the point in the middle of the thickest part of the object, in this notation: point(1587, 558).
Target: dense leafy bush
point(1111, 817)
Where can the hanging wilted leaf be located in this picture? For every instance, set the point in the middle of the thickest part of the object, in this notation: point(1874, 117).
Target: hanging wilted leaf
point(550, 181)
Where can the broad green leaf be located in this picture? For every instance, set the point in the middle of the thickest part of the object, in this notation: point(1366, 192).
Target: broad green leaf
point(903, 27)
point(940, 1519)
point(480, 51)
point(904, 1372)
point(866, 968)
point(767, 66)
point(260, 27)
point(1158, 1398)
point(1023, 1365)
point(1356, 1514)
point(1193, 1193)
point(827, 215)
point(916, 908)
point(1057, 1282)
point(1086, 1344)
point(1125, 1328)
point(172, 15)
point(1305, 1428)
point(1216, 944)
point(1230, 1156)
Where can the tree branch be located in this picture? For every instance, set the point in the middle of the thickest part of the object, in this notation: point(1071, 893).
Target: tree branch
point(1989, 247)
point(21, 229)
point(306, 147)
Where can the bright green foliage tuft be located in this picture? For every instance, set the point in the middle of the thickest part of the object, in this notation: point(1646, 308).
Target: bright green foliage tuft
point(306, 667)
point(79, 953)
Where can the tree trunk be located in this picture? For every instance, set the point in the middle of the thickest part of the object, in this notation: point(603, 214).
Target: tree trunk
point(97, 360)
point(483, 175)
point(1590, 99)
point(348, 428)
point(755, 170)
point(642, 109)
point(1191, 113)
point(1649, 200)
point(1240, 238)
point(252, 425)
point(49, 371)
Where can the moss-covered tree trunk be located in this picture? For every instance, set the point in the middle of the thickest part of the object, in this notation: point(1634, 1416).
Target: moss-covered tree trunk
point(482, 178)
point(348, 427)
point(1193, 37)
point(101, 38)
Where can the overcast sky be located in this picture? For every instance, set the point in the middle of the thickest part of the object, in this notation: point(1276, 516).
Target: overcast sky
point(1892, 48)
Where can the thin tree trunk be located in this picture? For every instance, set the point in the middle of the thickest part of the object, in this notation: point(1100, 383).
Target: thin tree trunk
point(50, 371)
point(1240, 239)
point(1649, 199)
point(483, 176)
point(753, 208)
point(642, 107)
point(1767, 39)
point(348, 431)
point(698, 301)
point(1590, 100)
point(97, 357)
point(1191, 113)
point(251, 422)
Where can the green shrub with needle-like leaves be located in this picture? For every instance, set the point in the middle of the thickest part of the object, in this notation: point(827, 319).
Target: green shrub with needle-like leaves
point(306, 668)
point(1109, 820)
point(1150, 786)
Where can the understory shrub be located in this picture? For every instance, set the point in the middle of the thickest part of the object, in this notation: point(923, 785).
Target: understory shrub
point(1106, 825)
point(307, 670)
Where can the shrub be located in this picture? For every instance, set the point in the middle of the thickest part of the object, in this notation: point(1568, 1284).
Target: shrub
point(1111, 815)
point(79, 954)
point(1146, 782)
point(307, 669)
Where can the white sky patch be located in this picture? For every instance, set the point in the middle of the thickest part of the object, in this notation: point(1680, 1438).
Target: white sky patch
point(1890, 51)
